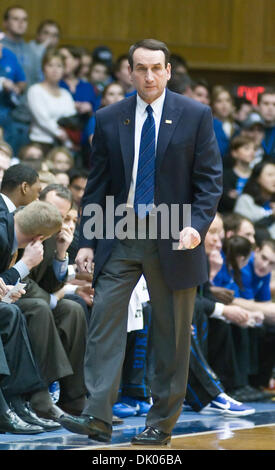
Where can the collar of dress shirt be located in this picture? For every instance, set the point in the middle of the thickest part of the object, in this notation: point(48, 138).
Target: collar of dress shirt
point(11, 207)
point(157, 105)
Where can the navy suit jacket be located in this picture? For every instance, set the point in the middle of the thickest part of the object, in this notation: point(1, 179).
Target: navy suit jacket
point(188, 171)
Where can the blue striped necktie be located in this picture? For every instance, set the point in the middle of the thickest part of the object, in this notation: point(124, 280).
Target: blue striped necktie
point(144, 193)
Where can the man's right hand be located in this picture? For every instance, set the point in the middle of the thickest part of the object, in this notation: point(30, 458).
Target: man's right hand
point(84, 260)
point(33, 254)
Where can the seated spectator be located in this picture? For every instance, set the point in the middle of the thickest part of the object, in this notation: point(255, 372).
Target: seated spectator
point(237, 251)
point(82, 91)
point(49, 102)
point(181, 84)
point(242, 150)
point(256, 201)
point(179, 65)
point(224, 126)
point(60, 158)
point(201, 91)
point(31, 151)
point(112, 93)
point(243, 108)
point(122, 76)
point(237, 224)
point(253, 128)
point(266, 109)
point(78, 181)
point(12, 84)
point(99, 77)
point(86, 61)
point(47, 35)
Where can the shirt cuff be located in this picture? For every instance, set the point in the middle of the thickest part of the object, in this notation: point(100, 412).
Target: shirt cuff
point(22, 269)
point(218, 312)
point(60, 269)
point(70, 288)
point(53, 301)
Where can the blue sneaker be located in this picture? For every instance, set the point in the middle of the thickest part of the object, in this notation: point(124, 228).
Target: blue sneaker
point(227, 406)
point(122, 410)
point(141, 407)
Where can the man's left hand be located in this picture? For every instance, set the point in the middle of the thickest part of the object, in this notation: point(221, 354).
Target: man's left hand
point(189, 239)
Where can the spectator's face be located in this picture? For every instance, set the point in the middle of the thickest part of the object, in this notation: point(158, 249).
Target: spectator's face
point(71, 63)
point(267, 108)
point(49, 34)
point(256, 133)
point(264, 261)
point(243, 112)
point(17, 22)
point(63, 205)
point(267, 179)
point(149, 74)
point(53, 70)
point(77, 188)
point(245, 153)
point(71, 219)
point(86, 61)
point(123, 74)
point(214, 236)
point(62, 162)
point(98, 73)
point(200, 93)
point(247, 230)
point(223, 107)
point(113, 94)
point(32, 192)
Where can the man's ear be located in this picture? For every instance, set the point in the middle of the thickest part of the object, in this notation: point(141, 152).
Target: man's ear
point(24, 186)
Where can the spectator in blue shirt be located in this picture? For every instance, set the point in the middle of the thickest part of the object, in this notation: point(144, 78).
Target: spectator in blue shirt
point(12, 83)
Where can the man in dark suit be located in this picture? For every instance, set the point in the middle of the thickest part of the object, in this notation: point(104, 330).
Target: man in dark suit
point(145, 156)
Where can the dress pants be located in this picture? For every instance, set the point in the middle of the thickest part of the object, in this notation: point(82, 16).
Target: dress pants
point(24, 374)
point(58, 339)
point(172, 313)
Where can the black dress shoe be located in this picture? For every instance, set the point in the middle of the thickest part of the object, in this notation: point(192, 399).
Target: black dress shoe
point(52, 413)
point(10, 422)
point(93, 427)
point(25, 412)
point(151, 436)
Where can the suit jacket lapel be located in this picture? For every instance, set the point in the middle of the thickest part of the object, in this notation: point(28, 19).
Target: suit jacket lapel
point(127, 136)
point(168, 123)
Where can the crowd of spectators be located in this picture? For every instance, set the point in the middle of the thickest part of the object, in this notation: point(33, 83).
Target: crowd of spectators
point(49, 94)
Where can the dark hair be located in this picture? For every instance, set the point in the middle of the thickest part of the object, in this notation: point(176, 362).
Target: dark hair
point(240, 141)
point(9, 9)
point(118, 62)
point(233, 247)
point(239, 101)
point(151, 44)
point(234, 221)
point(46, 23)
point(252, 186)
point(268, 91)
point(177, 59)
point(180, 83)
point(15, 175)
point(77, 173)
point(201, 82)
point(59, 189)
point(269, 242)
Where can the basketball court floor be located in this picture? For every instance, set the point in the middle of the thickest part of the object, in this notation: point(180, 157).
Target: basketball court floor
point(194, 431)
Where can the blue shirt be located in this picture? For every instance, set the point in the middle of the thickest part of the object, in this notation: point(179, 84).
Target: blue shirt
point(11, 69)
point(254, 286)
point(84, 91)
